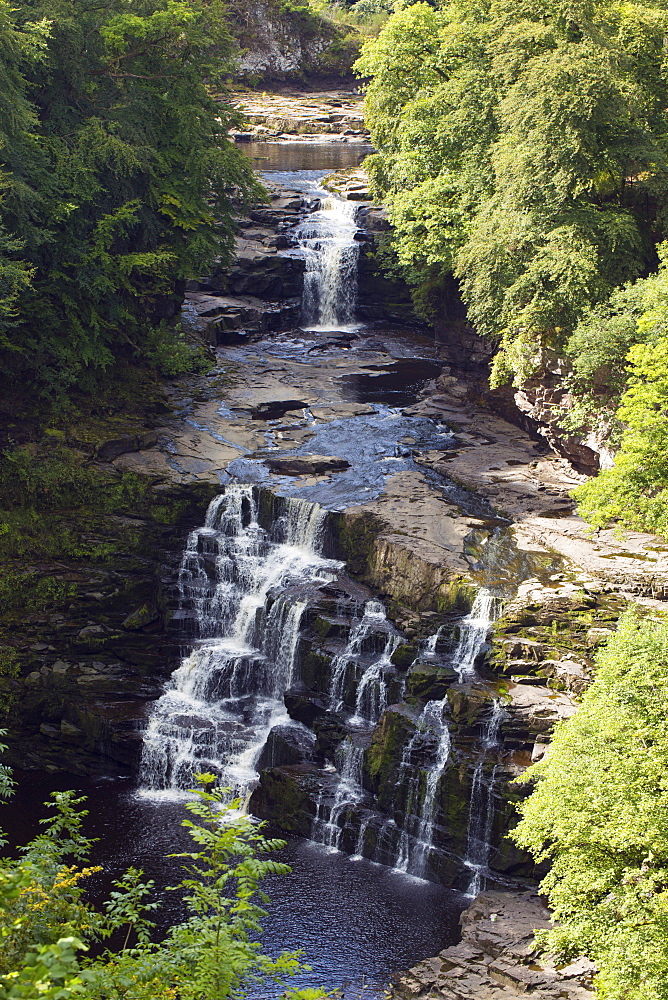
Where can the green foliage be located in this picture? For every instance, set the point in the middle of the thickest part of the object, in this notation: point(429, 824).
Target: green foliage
point(634, 492)
point(598, 815)
point(522, 148)
point(119, 180)
point(24, 591)
point(49, 926)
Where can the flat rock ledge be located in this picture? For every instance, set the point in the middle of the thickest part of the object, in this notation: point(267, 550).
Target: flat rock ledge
point(496, 959)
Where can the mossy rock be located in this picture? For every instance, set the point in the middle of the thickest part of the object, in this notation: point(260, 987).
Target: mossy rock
point(281, 800)
point(327, 628)
point(404, 655)
point(383, 757)
point(315, 670)
point(429, 682)
point(456, 595)
point(468, 703)
point(141, 617)
point(354, 538)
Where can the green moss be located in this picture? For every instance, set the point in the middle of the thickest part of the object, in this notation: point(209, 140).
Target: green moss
point(404, 655)
point(355, 538)
point(384, 753)
point(457, 596)
point(428, 682)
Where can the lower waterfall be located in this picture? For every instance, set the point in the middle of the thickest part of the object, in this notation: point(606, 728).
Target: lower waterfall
point(240, 584)
point(250, 586)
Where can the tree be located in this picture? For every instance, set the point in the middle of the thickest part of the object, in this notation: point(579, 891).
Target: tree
point(634, 492)
point(521, 146)
point(597, 814)
point(120, 181)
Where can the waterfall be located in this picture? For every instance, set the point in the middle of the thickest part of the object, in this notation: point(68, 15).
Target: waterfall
point(327, 825)
point(327, 238)
point(241, 588)
point(473, 633)
point(371, 700)
point(417, 836)
point(481, 809)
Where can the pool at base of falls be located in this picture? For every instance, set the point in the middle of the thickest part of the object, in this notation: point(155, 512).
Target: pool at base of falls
point(357, 922)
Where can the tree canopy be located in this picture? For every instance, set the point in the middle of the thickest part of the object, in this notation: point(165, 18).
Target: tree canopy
point(598, 814)
point(522, 147)
point(117, 179)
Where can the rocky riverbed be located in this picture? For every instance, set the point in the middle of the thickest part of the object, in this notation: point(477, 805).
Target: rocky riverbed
point(496, 958)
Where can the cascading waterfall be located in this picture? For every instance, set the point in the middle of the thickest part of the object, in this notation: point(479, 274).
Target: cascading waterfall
point(327, 825)
point(372, 617)
point(327, 238)
point(241, 586)
point(481, 809)
point(370, 702)
point(417, 837)
point(473, 633)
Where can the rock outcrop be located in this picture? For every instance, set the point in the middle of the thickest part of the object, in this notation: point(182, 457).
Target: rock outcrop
point(282, 41)
point(497, 959)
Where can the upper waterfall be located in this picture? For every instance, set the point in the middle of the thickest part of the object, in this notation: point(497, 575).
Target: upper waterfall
point(327, 238)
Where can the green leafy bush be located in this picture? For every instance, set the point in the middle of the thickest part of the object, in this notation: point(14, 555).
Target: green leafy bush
point(49, 927)
point(598, 815)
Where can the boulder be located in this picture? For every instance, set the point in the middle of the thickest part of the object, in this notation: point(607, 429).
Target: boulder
point(429, 682)
point(307, 465)
point(286, 745)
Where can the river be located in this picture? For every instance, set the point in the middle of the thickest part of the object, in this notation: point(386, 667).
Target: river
point(357, 921)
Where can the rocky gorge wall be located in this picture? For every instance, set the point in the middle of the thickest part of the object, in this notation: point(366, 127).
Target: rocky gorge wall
point(289, 40)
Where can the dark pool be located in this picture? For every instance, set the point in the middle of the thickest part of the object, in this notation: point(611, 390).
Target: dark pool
point(356, 921)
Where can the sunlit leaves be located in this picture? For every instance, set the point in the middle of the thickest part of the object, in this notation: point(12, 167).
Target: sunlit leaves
point(599, 815)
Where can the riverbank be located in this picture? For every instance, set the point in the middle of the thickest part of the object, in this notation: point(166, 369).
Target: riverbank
point(496, 958)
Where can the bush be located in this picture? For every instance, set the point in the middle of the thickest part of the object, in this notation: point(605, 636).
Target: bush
point(598, 814)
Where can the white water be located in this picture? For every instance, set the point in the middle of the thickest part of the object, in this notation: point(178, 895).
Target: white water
point(417, 839)
point(240, 584)
point(327, 238)
point(481, 808)
point(474, 630)
point(327, 825)
point(371, 700)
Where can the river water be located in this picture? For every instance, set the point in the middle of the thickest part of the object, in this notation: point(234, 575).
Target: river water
point(358, 922)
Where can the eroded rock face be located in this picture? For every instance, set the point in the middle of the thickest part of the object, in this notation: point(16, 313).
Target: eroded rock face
point(282, 42)
point(87, 672)
point(496, 958)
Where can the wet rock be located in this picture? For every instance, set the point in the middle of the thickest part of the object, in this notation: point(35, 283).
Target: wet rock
point(330, 731)
point(284, 797)
point(429, 682)
point(307, 465)
point(330, 114)
point(303, 707)
point(93, 631)
point(404, 655)
point(383, 758)
point(467, 703)
point(286, 745)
